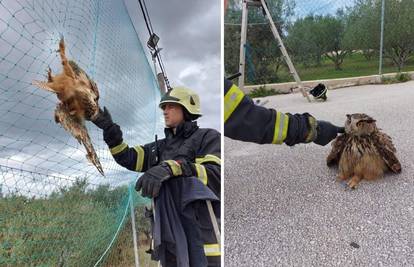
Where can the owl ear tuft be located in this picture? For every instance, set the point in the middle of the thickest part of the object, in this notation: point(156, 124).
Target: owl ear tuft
point(348, 116)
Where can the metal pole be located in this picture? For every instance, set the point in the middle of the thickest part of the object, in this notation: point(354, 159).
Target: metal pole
point(155, 64)
point(134, 233)
point(284, 51)
point(214, 221)
point(154, 216)
point(243, 36)
point(382, 37)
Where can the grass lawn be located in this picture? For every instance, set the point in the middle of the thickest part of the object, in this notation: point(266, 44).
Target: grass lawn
point(353, 66)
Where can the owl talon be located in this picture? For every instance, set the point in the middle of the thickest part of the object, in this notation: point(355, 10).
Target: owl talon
point(354, 182)
point(396, 168)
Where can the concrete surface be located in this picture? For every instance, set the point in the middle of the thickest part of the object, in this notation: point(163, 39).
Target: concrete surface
point(284, 206)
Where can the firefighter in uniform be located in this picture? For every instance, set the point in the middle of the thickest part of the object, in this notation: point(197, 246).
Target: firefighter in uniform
point(186, 151)
point(245, 121)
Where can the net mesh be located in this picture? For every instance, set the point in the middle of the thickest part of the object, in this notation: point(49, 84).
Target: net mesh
point(55, 207)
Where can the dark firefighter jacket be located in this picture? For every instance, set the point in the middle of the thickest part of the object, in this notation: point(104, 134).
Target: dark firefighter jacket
point(199, 146)
point(245, 121)
point(179, 233)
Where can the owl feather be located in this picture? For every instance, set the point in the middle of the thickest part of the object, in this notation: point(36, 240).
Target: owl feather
point(363, 151)
point(78, 95)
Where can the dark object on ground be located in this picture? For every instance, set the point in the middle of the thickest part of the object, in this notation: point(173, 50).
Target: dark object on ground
point(319, 92)
point(355, 245)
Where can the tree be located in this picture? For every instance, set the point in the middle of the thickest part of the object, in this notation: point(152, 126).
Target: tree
point(265, 53)
point(332, 38)
point(399, 31)
point(363, 27)
point(302, 40)
point(313, 36)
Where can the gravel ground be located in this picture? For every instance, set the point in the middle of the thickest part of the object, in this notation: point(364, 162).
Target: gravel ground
point(284, 206)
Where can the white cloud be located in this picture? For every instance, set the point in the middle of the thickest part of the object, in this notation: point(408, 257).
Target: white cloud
point(190, 37)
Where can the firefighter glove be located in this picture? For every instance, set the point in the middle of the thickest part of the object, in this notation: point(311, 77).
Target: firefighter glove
point(103, 120)
point(150, 182)
point(326, 132)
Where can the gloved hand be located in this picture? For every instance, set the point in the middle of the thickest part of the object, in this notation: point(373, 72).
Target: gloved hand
point(103, 120)
point(326, 132)
point(150, 182)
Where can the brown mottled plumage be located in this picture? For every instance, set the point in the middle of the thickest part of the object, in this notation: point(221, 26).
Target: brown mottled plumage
point(78, 96)
point(363, 152)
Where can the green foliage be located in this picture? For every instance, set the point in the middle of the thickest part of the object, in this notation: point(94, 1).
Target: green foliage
point(303, 43)
point(399, 31)
point(399, 78)
point(402, 77)
point(312, 39)
point(122, 253)
point(262, 92)
point(364, 28)
point(72, 227)
point(355, 65)
point(265, 55)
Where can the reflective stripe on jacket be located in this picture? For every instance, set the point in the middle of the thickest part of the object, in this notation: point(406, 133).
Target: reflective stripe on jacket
point(245, 121)
point(191, 143)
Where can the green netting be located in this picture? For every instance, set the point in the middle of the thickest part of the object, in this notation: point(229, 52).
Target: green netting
point(250, 72)
point(325, 39)
point(55, 207)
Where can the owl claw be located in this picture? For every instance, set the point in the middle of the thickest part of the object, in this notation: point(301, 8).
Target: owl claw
point(354, 182)
point(396, 168)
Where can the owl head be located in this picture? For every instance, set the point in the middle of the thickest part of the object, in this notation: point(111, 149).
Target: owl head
point(360, 124)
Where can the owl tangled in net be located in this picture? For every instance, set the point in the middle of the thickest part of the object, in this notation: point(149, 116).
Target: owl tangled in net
point(78, 96)
point(363, 152)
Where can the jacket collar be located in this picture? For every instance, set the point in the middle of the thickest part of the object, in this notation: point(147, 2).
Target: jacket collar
point(184, 129)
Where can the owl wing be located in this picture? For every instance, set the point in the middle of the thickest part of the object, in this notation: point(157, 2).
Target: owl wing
point(81, 74)
point(386, 149)
point(43, 85)
point(88, 94)
point(337, 148)
point(78, 130)
point(94, 88)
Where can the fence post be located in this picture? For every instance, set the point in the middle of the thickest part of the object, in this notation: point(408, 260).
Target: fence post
point(134, 232)
point(382, 38)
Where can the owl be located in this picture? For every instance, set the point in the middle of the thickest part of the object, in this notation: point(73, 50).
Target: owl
point(78, 96)
point(363, 151)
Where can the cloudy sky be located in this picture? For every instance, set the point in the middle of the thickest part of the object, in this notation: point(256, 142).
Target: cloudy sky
point(33, 148)
point(189, 34)
point(320, 7)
